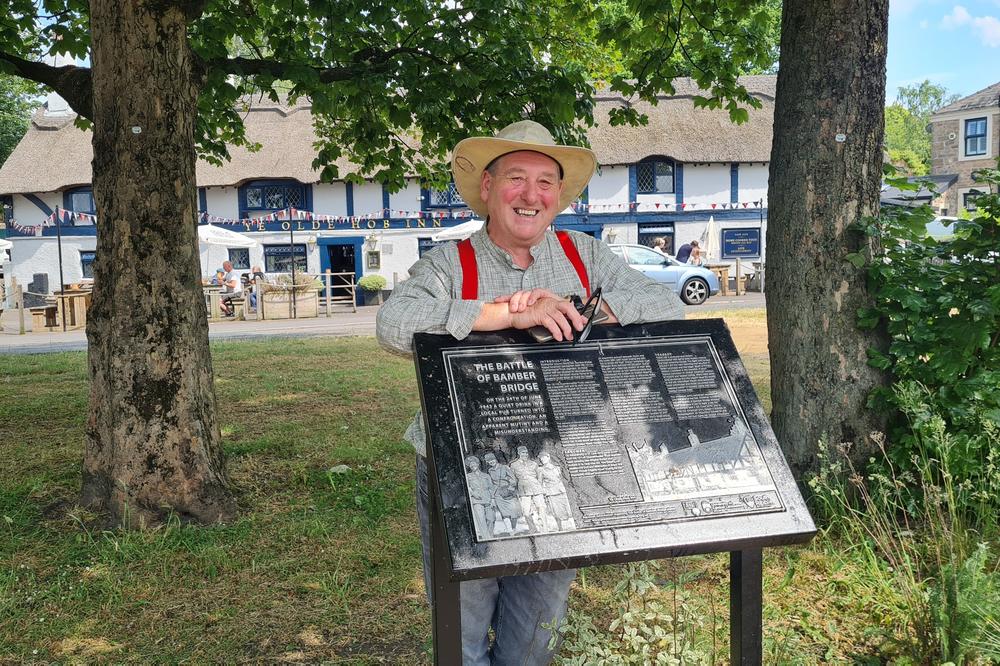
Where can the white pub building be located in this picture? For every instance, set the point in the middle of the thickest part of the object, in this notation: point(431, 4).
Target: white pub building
point(665, 179)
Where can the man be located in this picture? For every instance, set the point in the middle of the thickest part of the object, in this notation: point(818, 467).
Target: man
point(519, 181)
point(255, 274)
point(684, 253)
point(481, 493)
point(231, 288)
point(505, 503)
point(529, 490)
point(551, 480)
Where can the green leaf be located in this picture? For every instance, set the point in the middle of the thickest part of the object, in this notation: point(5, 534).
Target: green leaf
point(856, 259)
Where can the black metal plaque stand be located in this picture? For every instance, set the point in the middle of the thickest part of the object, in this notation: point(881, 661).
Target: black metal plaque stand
point(746, 598)
point(447, 607)
point(745, 607)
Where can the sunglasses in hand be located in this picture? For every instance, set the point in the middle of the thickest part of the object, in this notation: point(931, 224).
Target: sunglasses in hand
point(590, 310)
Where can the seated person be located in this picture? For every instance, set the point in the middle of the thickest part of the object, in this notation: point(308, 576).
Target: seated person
point(256, 274)
point(231, 288)
point(218, 277)
point(696, 258)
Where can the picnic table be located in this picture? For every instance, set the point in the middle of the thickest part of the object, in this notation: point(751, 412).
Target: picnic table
point(213, 300)
point(73, 305)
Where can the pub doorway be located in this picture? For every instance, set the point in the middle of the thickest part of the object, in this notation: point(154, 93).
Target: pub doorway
point(342, 255)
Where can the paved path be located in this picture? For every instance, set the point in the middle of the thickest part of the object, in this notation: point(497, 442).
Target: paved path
point(346, 323)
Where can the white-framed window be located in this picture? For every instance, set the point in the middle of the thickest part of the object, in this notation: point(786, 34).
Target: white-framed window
point(969, 200)
point(976, 137)
point(240, 257)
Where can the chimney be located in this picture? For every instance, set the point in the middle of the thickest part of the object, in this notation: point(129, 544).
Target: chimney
point(54, 104)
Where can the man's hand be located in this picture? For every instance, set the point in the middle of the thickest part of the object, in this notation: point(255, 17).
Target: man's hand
point(556, 314)
point(520, 301)
point(533, 307)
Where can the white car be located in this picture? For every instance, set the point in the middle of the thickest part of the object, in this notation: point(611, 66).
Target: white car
point(693, 284)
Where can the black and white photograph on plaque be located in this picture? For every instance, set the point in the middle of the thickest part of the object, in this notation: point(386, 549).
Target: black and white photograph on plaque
point(603, 434)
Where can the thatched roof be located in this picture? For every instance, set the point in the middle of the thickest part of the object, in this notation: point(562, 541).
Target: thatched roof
point(55, 155)
point(286, 137)
point(678, 130)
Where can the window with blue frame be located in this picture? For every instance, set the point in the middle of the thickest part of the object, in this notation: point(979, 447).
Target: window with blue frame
point(272, 195)
point(239, 257)
point(649, 232)
point(654, 176)
point(975, 136)
point(87, 263)
point(426, 245)
point(278, 258)
point(80, 200)
point(448, 198)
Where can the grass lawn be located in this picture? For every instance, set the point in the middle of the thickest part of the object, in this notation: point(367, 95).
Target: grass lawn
point(319, 567)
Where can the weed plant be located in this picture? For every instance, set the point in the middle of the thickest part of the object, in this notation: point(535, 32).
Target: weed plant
point(654, 622)
point(932, 581)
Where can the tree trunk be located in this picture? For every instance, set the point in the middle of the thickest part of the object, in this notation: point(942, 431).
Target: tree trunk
point(826, 161)
point(153, 445)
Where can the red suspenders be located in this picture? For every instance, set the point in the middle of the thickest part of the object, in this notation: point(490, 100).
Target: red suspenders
point(574, 258)
point(470, 272)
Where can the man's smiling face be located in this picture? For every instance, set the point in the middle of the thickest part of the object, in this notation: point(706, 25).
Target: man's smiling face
point(521, 192)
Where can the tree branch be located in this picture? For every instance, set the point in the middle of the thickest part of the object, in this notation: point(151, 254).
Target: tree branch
point(71, 82)
point(191, 9)
point(370, 62)
point(280, 70)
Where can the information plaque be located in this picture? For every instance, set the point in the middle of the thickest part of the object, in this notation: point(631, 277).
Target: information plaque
point(644, 441)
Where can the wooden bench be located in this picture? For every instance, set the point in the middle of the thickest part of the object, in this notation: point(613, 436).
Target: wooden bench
point(239, 305)
point(43, 318)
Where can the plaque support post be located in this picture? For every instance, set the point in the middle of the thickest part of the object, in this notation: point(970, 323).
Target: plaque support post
point(745, 607)
point(446, 610)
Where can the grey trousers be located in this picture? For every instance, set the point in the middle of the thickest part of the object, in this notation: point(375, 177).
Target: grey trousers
point(514, 606)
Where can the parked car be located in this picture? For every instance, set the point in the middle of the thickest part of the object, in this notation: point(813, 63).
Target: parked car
point(693, 284)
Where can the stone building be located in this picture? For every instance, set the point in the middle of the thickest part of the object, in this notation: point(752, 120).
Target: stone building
point(965, 136)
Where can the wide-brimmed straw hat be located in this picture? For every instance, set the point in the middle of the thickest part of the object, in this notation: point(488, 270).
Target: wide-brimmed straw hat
point(473, 155)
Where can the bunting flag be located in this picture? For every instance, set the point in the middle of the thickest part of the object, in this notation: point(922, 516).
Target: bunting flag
point(69, 217)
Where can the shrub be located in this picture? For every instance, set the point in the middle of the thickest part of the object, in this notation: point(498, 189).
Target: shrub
point(939, 301)
point(372, 283)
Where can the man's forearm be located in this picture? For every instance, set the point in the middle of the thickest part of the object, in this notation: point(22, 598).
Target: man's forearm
point(493, 317)
point(612, 319)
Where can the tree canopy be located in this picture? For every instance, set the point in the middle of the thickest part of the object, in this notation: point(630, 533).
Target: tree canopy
point(906, 119)
point(395, 85)
point(17, 98)
point(392, 86)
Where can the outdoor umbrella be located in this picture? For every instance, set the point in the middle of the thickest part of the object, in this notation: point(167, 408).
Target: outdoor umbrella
point(459, 231)
point(710, 241)
point(211, 235)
